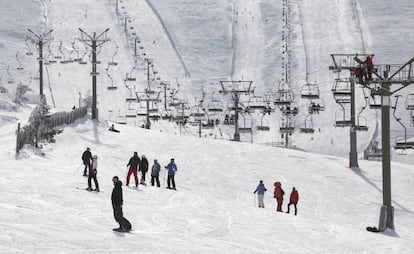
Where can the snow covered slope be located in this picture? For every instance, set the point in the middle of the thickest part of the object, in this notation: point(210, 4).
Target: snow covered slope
point(213, 210)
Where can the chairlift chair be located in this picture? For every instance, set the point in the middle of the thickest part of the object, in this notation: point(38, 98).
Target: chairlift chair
point(342, 88)
point(310, 91)
point(131, 111)
point(262, 127)
point(283, 98)
point(197, 112)
point(361, 124)
point(287, 128)
point(120, 119)
point(256, 103)
point(375, 102)
point(340, 119)
point(215, 106)
point(308, 128)
point(141, 110)
point(409, 102)
point(401, 143)
point(131, 97)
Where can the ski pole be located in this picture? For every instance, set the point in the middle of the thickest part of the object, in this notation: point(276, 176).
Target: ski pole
point(163, 181)
point(254, 200)
point(77, 169)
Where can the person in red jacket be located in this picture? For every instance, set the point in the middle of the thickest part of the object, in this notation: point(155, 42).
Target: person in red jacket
point(369, 66)
point(294, 198)
point(278, 195)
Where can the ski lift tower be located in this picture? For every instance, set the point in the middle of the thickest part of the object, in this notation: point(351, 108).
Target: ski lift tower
point(40, 39)
point(236, 88)
point(387, 75)
point(94, 42)
point(347, 62)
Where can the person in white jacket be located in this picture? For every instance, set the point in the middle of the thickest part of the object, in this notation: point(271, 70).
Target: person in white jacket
point(93, 170)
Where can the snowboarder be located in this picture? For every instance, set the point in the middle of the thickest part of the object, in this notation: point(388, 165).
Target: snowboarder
point(260, 189)
point(294, 198)
point(133, 168)
point(143, 167)
point(86, 159)
point(172, 168)
point(278, 195)
point(112, 128)
point(93, 170)
point(155, 173)
point(117, 202)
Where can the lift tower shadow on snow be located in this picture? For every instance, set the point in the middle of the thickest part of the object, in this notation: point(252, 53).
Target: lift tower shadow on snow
point(236, 88)
point(94, 42)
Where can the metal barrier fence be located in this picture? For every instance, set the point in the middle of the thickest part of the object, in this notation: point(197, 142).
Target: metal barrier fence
point(27, 135)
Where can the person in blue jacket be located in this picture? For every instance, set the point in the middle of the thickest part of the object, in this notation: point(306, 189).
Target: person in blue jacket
point(260, 189)
point(172, 168)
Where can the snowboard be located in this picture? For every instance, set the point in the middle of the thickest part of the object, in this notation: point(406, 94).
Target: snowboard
point(79, 188)
point(122, 230)
point(373, 229)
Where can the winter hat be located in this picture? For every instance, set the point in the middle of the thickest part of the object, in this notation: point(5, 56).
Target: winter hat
point(115, 179)
point(143, 156)
point(95, 157)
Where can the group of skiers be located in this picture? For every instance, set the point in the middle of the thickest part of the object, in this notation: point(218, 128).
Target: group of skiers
point(278, 195)
point(135, 164)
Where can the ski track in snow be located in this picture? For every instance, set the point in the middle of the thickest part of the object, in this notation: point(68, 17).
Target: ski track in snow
point(169, 37)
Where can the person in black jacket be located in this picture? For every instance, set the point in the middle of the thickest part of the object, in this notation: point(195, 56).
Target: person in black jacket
point(143, 167)
point(117, 202)
point(86, 158)
point(133, 163)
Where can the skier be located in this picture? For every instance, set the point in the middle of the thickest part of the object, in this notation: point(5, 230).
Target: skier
point(117, 202)
point(93, 170)
point(133, 168)
point(278, 195)
point(260, 189)
point(155, 173)
point(86, 159)
point(294, 198)
point(143, 167)
point(172, 168)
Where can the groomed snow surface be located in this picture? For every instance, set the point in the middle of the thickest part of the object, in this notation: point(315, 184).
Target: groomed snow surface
point(213, 209)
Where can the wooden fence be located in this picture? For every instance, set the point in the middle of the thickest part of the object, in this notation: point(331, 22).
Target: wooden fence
point(27, 135)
